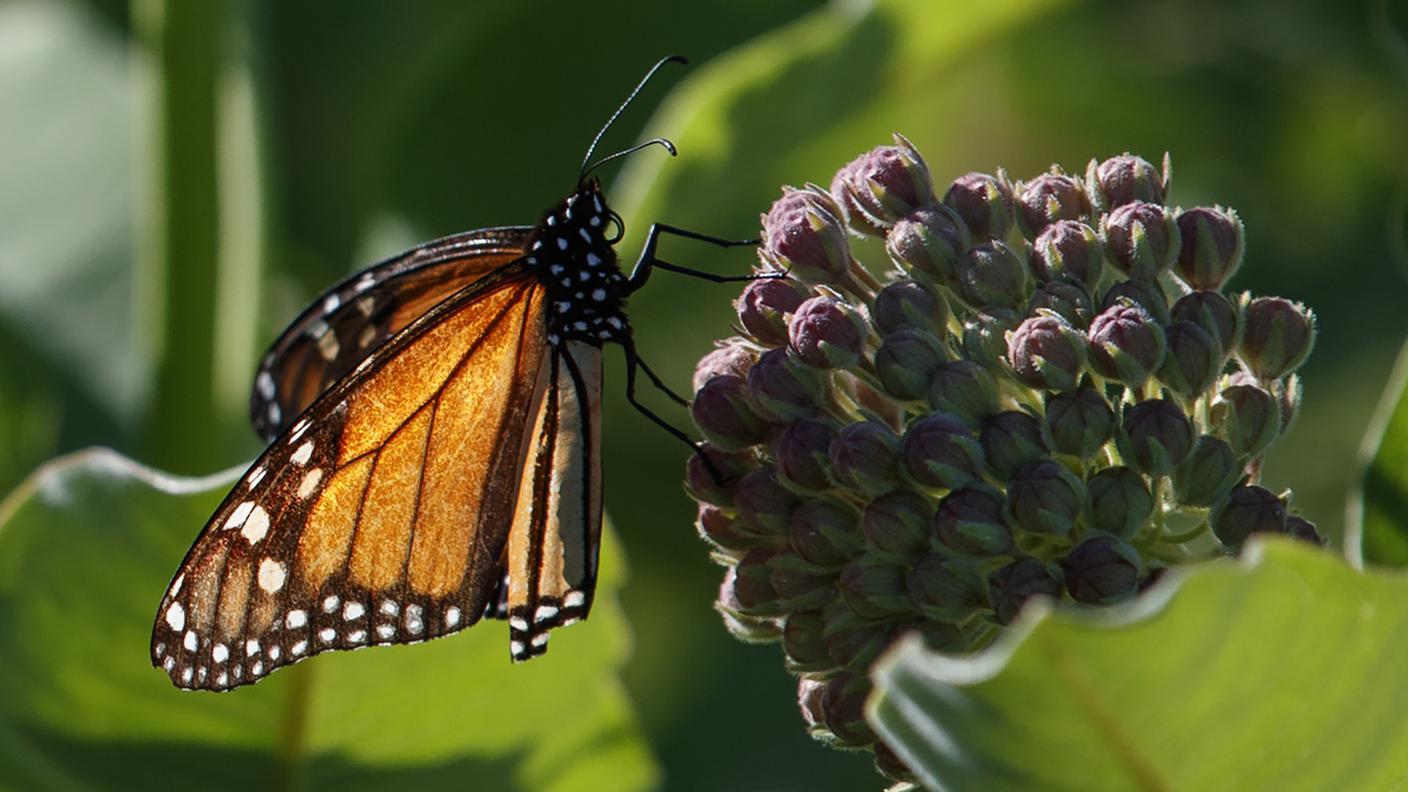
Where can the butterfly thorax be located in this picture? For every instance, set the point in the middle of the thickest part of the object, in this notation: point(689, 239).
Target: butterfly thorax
point(574, 259)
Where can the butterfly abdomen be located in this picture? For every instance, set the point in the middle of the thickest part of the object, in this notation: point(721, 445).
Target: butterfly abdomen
point(574, 259)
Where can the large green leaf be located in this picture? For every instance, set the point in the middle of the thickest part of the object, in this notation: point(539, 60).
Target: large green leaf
point(1281, 671)
point(86, 546)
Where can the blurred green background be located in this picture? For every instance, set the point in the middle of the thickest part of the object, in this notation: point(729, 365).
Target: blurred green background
point(177, 180)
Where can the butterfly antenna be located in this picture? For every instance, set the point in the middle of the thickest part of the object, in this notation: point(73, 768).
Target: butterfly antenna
point(667, 145)
point(624, 105)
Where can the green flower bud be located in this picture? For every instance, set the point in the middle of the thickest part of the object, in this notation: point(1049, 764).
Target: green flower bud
point(1064, 299)
point(720, 529)
point(1278, 337)
point(1126, 344)
point(803, 236)
point(970, 520)
point(1247, 510)
point(1125, 179)
point(810, 693)
point(1069, 250)
point(945, 588)
point(1141, 239)
point(1011, 586)
point(1247, 417)
point(844, 708)
point(753, 594)
point(803, 643)
point(1207, 474)
point(1303, 529)
point(853, 641)
point(802, 451)
point(985, 338)
point(764, 506)
point(938, 635)
point(702, 484)
point(827, 333)
point(801, 585)
point(1212, 246)
point(889, 764)
point(1154, 436)
point(941, 452)
point(1044, 497)
point(1218, 316)
point(929, 242)
point(907, 361)
point(965, 390)
point(722, 411)
point(1102, 570)
point(1011, 439)
point(1118, 501)
point(909, 304)
point(732, 356)
point(991, 275)
point(873, 588)
point(984, 202)
point(782, 390)
point(826, 533)
point(896, 525)
point(1078, 422)
point(1146, 294)
point(1045, 351)
point(885, 184)
point(1193, 362)
point(766, 307)
point(1048, 198)
point(865, 458)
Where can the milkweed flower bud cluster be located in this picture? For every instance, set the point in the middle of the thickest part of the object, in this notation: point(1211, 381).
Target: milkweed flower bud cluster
point(1046, 391)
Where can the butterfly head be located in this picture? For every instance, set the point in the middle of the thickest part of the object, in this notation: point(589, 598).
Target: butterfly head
point(571, 252)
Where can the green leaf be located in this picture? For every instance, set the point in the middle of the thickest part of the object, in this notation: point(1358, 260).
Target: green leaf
point(1376, 531)
point(1280, 671)
point(87, 545)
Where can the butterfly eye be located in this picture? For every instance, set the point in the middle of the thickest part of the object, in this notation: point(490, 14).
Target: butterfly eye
point(620, 228)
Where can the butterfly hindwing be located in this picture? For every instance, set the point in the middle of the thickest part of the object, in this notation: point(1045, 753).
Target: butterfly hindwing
point(350, 320)
point(382, 514)
point(554, 542)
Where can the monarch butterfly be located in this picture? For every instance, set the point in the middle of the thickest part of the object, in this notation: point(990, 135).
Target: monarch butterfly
point(435, 451)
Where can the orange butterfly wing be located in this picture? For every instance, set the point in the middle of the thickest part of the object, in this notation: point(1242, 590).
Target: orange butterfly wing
point(383, 513)
point(353, 318)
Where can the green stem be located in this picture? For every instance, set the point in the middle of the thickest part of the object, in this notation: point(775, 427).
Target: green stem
point(178, 274)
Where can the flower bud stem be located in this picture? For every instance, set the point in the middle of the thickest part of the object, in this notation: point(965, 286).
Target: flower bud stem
point(1187, 536)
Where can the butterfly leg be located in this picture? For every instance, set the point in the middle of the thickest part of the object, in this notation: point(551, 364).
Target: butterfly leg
point(660, 384)
point(648, 260)
point(634, 362)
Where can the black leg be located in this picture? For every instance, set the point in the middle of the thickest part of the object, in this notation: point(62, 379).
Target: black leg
point(660, 384)
point(648, 258)
point(632, 363)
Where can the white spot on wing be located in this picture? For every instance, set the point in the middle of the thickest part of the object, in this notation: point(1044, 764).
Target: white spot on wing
point(251, 647)
point(255, 477)
point(385, 631)
point(257, 526)
point(545, 612)
point(310, 482)
point(330, 604)
point(295, 619)
point(327, 634)
point(390, 607)
point(176, 617)
point(272, 575)
point(540, 640)
point(220, 653)
point(239, 515)
point(191, 642)
point(265, 383)
point(518, 623)
point(298, 648)
point(303, 454)
point(452, 616)
point(353, 610)
point(574, 599)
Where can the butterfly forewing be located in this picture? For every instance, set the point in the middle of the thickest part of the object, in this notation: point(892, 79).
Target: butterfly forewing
point(382, 514)
point(350, 320)
point(552, 551)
